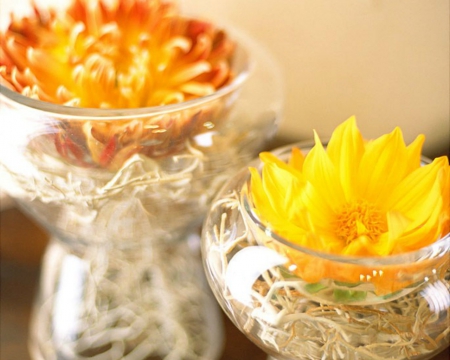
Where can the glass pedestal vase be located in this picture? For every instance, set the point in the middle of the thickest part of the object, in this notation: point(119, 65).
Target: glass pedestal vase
point(397, 308)
point(122, 189)
point(141, 303)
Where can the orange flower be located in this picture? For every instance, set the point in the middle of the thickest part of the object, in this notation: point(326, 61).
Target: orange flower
point(120, 54)
point(128, 54)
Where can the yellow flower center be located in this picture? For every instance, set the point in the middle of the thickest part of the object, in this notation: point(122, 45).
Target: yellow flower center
point(357, 219)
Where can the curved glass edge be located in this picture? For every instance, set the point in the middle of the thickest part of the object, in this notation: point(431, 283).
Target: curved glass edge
point(242, 63)
point(437, 249)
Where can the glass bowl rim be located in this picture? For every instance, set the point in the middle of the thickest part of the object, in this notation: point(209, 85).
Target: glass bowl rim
point(440, 246)
point(119, 113)
point(92, 114)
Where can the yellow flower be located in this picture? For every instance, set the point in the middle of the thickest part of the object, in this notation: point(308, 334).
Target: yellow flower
point(354, 198)
point(119, 54)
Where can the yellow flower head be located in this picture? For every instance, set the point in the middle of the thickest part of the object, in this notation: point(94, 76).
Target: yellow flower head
point(355, 197)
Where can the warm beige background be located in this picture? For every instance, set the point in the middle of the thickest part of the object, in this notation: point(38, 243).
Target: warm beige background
point(385, 61)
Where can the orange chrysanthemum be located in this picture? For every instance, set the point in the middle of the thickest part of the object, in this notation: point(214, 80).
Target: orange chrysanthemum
point(124, 54)
point(119, 54)
point(354, 198)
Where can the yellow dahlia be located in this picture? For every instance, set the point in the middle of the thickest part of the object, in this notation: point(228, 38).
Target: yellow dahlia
point(354, 198)
point(119, 54)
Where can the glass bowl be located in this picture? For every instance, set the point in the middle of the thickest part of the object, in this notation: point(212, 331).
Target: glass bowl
point(123, 192)
point(297, 303)
point(123, 176)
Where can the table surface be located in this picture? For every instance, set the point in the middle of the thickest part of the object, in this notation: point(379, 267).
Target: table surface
point(22, 244)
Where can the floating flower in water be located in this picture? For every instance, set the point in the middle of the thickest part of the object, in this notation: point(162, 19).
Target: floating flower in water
point(355, 198)
point(115, 55)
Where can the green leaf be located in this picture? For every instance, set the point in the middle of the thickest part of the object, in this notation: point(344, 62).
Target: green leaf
point(349, 295)
point(347, 284)
point(313, 288)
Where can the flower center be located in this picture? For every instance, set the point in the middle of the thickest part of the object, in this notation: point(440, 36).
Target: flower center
point(359, 219)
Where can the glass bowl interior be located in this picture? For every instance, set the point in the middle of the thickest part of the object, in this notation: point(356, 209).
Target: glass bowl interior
point(154, 169)
point(441, 246)
point(241, 66)
point(326, 277)
point(297, 303)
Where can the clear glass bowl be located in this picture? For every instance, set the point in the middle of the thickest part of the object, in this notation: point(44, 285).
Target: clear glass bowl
point(159, 183)
point(121, 191)
point(297, 303)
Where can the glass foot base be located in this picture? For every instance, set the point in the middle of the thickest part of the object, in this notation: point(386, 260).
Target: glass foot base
point(108, 304)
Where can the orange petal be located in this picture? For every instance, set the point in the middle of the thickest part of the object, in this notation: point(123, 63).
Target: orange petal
point(297, 159)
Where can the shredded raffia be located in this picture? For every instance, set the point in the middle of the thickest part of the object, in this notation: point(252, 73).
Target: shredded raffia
point(135, 305)
point(284, 319)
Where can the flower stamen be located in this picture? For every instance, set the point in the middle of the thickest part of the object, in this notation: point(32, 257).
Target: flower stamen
point(358, 219)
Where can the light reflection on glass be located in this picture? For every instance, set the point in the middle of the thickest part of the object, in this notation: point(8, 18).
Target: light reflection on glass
point(246, 266)
point(437, 296)
point(69, 299)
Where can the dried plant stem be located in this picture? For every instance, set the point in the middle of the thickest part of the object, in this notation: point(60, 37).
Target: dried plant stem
point(134, 306)
point(289, 322)
point(147, 200)
point(56, 181)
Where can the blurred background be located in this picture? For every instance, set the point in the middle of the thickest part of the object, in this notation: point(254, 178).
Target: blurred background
point(384, 61)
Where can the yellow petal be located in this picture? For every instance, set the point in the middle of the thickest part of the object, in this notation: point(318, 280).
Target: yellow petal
point(273, 217)
point(425, 210)
point(397, 224)
point(327, 241)
point(282, 188)
point(318, 208)
point(345, 149)
point(269, 158)
point(256, 189)
point(321, 172)
point(423, 235)
point(414, 152)
point(384, 245)
point(415, 195)
point(445, 186)
point(382, 167)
